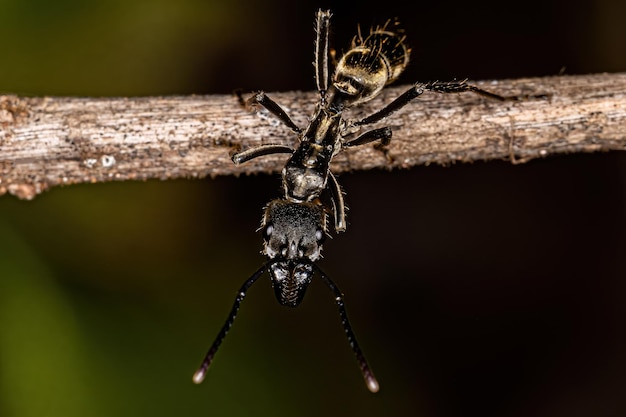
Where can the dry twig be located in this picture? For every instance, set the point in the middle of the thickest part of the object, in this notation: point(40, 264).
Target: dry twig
point(65, 140)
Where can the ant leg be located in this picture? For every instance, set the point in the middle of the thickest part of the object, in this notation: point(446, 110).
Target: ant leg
point(401, 101)
point(418, 89)
point(368, 375)
point(273, 107)
point(383, 135)
point(322, 28)
point(248, 154)
point(339, 209)
point(198, 377)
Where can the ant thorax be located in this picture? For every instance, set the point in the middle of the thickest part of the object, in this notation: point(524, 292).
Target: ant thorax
point(306, 173)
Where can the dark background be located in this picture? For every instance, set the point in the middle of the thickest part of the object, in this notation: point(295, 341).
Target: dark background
point(485, 289)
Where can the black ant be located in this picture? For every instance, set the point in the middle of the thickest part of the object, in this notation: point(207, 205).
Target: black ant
point(294, 227)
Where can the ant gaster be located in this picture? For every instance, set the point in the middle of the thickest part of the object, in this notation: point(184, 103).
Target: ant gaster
point(294, 227)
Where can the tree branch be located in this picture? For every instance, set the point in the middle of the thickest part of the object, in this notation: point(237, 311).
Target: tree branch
point(61, 140)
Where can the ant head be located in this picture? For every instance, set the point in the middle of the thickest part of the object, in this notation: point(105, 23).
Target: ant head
point(293, 234)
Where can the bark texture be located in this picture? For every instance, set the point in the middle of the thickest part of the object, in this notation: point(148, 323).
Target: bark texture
point(49, 141)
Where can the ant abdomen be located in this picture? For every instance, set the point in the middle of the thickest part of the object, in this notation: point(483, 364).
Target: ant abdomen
point(392, 48)
point(370, 65)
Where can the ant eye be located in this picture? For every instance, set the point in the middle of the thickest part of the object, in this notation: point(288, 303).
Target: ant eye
point(320, 236)
point(267, 232)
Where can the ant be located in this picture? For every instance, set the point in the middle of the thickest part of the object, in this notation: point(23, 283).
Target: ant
point(294, 227)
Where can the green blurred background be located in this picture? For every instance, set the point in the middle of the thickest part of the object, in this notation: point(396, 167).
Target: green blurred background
point(485, 289)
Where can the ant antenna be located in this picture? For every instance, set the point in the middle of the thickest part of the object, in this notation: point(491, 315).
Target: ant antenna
point(200, 374)
point(368, 375)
